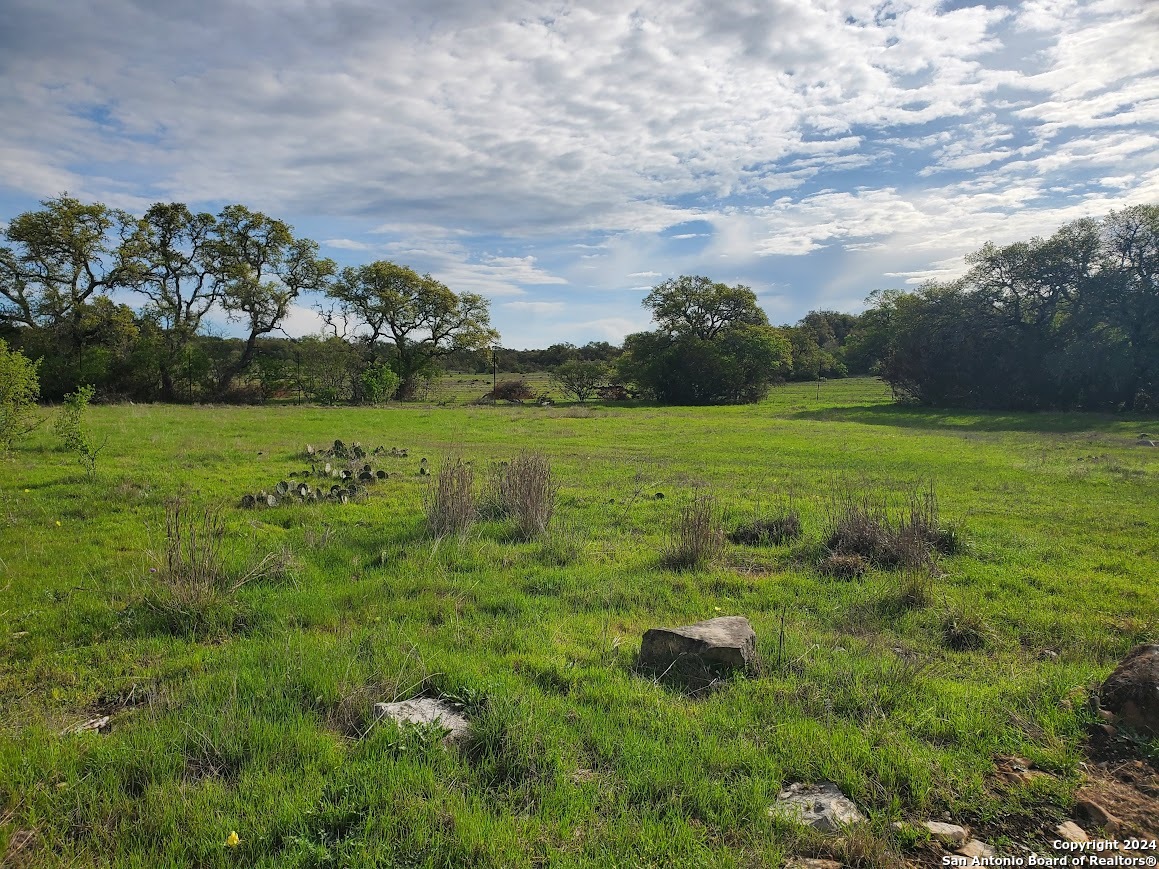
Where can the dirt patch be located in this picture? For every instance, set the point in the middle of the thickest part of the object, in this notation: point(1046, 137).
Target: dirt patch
point(1120, 786)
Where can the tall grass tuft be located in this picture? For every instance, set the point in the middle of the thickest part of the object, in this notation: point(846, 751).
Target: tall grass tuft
point(698, 538)
point(775, 530)
point(450, 501)
point(530, 493)
point(193, 567)
point(906, 538)
point(523, 490)
point(193, 587)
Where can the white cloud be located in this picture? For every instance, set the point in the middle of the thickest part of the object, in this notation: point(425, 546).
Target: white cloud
point(505, 150)
point(535, 307)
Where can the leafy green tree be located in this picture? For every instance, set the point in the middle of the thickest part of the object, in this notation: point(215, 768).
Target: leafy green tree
point(170, 260)
point(63, 255)
point(379, 383)
point(1129, 296)
point(694, 305)
point(19, 390)
point(714, 345)
point(580, 379)
point(262, 269)
point(421, 317)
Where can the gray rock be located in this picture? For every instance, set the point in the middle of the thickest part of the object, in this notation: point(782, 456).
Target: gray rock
point(977, 848)
point(811, 863)
point(821, 806)
point(718, 645)
point(947, 834)
point(1069, 831)
point(1132, 691)
point(426, 711)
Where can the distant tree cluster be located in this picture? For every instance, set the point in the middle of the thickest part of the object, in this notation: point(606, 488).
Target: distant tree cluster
point(713, 344)
point(68, 270)
point(1069, 321)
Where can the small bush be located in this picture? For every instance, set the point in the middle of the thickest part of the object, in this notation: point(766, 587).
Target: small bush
point(844, 566)
point(964, 631)
point(515, 391)
point(697, 538)
point(450, 502)
point(379, 383)
point(19, 390)
point(769, 531)
point(70, 427)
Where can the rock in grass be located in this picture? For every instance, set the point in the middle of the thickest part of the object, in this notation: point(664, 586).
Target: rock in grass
point(947, 834)
point(718, 645)
point(977, 848)
point(1132, 691)
point(426, 711)
point(811, 863)
point(821, 806)
point(1069, 831)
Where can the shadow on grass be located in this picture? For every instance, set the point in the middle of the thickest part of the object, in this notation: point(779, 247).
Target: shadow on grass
point(911, 416)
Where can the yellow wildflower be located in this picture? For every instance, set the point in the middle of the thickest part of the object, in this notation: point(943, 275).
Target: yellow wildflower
point(232, 840)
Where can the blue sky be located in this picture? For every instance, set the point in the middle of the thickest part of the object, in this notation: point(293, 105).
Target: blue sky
point(562, 158)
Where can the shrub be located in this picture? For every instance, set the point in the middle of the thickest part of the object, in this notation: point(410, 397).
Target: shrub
point(450, 502)
point(769, 531)
point(515, 391)
point(379, 383)
point(19, 390)
point(580, 379)
point(697, 538)
point(70, 427)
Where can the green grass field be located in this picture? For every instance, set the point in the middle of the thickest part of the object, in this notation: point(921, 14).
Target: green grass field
point(253, 714)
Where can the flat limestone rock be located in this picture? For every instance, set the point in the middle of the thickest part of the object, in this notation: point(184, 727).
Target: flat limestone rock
point(1132, 691)
point(720, 645)
point(426, 711)
point(977, 848)
point(821, 806)
point(947, 834)
point(1069, 831)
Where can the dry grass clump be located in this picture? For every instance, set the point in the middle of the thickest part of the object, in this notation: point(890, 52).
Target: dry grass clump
point(773, 530)
point(698, 537)
point(907, 538)
point(844, 566)
point(529, 493)
point(523, 490)
point(450, 502)
point(192, 568)
point(193, 587)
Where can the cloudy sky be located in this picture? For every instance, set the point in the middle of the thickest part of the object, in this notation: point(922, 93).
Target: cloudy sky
point(561, 158)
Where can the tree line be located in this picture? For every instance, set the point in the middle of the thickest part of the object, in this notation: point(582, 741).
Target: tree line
point(97, 296)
